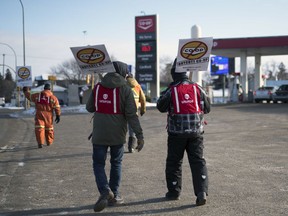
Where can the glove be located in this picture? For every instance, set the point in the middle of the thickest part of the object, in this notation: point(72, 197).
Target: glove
point(57, 119)
point(140, 145)
point(25, 89)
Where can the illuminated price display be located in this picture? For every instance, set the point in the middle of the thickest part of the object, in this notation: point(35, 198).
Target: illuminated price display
point(144, 47)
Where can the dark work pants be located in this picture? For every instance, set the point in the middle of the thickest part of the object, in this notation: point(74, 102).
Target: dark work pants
point(194, 148)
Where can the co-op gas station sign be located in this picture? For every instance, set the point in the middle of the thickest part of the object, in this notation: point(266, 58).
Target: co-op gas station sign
point(93, 59)
point(146, 48)
point(23, 76)
point(193, 54)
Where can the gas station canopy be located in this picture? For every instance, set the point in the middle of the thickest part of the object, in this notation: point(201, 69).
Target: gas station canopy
point(263, 46)
point(250, 46)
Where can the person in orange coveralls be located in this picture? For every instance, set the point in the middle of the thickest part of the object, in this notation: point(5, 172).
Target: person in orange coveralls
point(45, 104)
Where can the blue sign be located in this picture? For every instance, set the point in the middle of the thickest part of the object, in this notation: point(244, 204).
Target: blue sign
point(219, 65)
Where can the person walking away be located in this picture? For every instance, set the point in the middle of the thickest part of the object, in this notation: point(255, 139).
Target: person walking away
point(113, 105)
point(140, 101)
point(186, 103)
point(46, 104)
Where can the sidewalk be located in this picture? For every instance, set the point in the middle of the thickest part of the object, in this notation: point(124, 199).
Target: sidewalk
point(245, 148)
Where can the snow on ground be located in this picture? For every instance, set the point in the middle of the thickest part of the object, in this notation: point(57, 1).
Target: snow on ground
point(65, 109)
point(217, 98)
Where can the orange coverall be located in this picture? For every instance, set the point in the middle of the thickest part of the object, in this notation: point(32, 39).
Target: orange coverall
point(45, 103)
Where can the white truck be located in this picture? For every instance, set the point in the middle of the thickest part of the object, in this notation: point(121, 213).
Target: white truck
point(2, 101)
point(264, 93)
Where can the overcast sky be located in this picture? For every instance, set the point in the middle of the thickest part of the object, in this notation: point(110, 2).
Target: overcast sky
point(53, 26)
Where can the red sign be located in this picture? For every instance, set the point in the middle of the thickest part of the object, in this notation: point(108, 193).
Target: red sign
point(145, 24)
point(146, 48)
point(255, 42)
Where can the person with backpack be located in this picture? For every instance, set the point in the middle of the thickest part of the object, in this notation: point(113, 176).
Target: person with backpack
point(186, 103)
point(46, 104)
point(140, 101)
point(113, 105)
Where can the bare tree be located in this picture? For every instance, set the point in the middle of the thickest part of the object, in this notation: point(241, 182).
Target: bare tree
point(7, 86)
point(68, 70)
point(282, 74)
point(270, 69)
point(165, 68)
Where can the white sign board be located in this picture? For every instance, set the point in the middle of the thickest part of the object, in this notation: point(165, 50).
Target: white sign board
point(93, 59)
point(24, 76)
point(193, 54)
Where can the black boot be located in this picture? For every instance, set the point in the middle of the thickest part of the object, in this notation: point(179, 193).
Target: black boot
point(131, 144)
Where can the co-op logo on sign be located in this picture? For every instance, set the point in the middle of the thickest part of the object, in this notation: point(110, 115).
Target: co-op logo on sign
point(90, 56)
point(145, 23)
point(24, 73)
point(194, 50)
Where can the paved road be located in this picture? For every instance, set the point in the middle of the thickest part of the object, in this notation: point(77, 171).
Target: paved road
point(246, 147)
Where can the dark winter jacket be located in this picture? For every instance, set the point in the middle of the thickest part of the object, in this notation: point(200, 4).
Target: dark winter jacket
point(111, 129)
point(188, 124)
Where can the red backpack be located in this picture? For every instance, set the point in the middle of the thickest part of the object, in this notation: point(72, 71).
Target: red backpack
point(107, 100)
point(186, 98)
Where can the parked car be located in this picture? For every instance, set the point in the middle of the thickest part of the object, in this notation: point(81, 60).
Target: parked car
point(281, 94)
point(2, 101)
point(264, 93)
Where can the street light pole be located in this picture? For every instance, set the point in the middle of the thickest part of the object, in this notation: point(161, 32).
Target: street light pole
point(3, 66)
point(13, 52)
point(84, 33)
point(8, 67)
point(24, 64)
point(23, 24)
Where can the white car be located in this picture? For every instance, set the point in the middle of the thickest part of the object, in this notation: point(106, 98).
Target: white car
point(2, 101)
point(264, 93)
